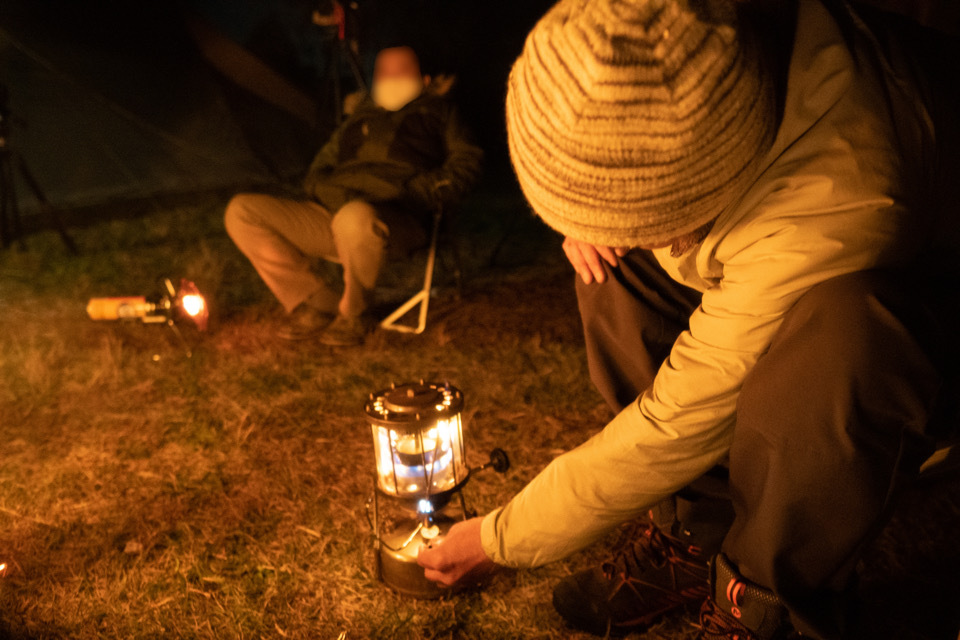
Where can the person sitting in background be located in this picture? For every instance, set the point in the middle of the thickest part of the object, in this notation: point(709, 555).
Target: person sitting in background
point(402, 154)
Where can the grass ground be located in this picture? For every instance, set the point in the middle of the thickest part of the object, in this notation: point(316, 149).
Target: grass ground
point(147, 495)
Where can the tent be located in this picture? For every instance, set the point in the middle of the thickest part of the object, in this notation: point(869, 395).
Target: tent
point(115, 101)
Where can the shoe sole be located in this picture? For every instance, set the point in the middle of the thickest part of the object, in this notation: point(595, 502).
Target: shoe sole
point(284, 333)
point(692, 606)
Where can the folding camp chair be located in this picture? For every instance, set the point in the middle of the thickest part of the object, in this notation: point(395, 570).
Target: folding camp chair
point(422, 297)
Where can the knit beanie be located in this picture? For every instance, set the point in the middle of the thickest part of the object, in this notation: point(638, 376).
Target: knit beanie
point(633, 122)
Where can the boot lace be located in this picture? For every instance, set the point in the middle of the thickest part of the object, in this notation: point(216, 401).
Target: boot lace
point(652, 547)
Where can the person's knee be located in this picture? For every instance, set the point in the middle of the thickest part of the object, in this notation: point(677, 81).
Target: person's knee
point(837, 307)
point(356, 223)
point(850, 321)
point(848, 345)
point(240, 213)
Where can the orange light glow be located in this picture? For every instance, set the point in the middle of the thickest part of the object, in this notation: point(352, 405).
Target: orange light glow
point(193, 305)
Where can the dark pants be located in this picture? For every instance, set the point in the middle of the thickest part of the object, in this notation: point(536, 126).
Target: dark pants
point(842, 409)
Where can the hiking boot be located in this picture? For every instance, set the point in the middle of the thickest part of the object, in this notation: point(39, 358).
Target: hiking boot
point(741, 610)
point(304, 323)
point(653, 576)
point(344, 332)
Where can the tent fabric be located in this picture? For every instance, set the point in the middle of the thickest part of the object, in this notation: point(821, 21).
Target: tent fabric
point(110, 103)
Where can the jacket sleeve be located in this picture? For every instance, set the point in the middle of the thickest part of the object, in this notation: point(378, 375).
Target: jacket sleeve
point(324, 162)
point(459, 172)
point(683, 424)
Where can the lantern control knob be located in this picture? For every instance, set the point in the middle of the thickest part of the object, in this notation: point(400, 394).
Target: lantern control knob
point(499, 461)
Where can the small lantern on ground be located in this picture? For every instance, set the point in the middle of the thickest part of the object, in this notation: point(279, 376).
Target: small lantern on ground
point(421, 464)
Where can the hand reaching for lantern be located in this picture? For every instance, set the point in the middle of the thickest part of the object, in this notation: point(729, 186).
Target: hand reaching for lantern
point(588, 259)
point(457, 557)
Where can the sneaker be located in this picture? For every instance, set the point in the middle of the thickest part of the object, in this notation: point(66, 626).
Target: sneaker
point(344, 332)
point(653, 576)
point(741, 610)
point(304, 323)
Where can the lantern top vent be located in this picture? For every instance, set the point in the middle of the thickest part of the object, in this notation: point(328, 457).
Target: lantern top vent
point(414, 404)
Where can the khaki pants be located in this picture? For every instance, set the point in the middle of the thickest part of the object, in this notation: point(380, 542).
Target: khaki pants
point(282, 237)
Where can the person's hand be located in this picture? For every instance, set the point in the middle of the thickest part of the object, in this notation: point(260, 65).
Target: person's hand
point(587, 259)
point(457, 556)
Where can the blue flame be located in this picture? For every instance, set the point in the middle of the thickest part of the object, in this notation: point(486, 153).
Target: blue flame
point(424, 506)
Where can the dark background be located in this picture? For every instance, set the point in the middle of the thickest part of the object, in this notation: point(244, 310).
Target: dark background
point(114, 101)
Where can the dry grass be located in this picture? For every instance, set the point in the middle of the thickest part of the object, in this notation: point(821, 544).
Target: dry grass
point(144, 494)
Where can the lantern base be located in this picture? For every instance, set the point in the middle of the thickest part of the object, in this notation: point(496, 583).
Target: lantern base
point(397, 559)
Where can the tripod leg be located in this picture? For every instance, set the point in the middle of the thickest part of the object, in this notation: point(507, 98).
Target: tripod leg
point(15, 219)
point(458, 263)
point(46, 207)
point(9, 214)
point(337, 86)
point(354, 64)
point(4, 192)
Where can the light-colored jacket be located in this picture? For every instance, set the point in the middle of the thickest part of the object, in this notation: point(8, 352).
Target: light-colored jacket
point(840, 191)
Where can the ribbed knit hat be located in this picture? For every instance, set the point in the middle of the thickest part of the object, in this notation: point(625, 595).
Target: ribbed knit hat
point(633, 122)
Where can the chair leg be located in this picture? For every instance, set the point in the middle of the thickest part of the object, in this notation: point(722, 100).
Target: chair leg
point(422, 297)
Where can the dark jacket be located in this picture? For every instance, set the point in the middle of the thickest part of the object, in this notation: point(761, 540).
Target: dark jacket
point(416, 158)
